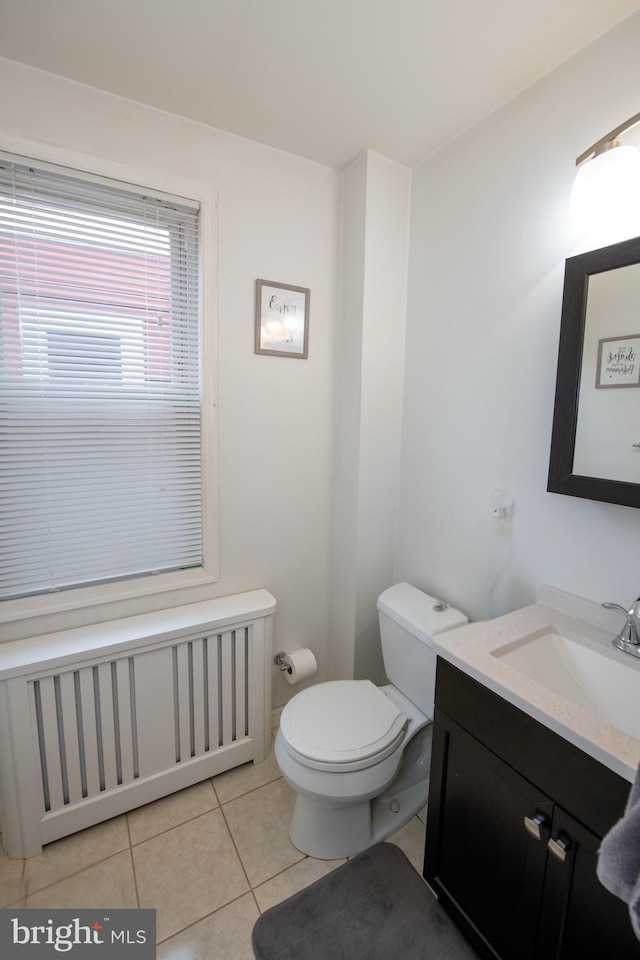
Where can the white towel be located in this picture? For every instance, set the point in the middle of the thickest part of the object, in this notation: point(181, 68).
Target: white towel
point(619, 857)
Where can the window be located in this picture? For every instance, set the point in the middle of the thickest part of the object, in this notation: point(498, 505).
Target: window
point(100, 407)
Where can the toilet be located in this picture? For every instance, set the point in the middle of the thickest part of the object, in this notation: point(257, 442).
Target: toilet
point(358, 755)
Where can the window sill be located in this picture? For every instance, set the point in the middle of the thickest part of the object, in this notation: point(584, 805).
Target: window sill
point(65, 600)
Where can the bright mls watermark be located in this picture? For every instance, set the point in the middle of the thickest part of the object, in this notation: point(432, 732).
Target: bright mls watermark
point(79, 934)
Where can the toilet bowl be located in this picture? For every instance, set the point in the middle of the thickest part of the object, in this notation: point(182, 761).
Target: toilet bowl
point(358, 755)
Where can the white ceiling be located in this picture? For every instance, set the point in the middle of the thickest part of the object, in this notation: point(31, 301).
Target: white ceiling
point(324, 79)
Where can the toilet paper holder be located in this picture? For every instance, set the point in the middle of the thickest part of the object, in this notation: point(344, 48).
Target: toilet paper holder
point(296, 665)
point(280, 661)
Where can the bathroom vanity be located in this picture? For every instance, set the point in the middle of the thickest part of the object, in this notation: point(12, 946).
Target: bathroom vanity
point(524, 784)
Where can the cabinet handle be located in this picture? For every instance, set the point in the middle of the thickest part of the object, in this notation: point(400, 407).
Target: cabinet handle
point(535, 825)
point(559, 847)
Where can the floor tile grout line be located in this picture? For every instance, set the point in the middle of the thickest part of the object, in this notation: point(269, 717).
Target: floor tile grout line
point(133, 865)
point(237, 852)
point(76, 873)
point(160, 833)
point(212, 913)
point(280, 873)
point(135, 878)
point(215, 792)
point(251, 790)
point(255, 900)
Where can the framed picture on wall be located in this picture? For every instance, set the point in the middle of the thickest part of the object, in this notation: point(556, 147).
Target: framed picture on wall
point(618, 362)
point(282, 319)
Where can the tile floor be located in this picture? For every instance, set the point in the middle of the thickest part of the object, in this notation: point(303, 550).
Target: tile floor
point(209, 859)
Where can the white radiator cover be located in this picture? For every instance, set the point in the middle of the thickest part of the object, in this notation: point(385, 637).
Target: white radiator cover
point(98, 720)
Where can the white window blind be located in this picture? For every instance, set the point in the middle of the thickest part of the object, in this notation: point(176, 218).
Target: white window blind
point(100, 414)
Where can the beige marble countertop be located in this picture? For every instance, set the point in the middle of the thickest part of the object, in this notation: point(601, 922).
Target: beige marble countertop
point(472, 649)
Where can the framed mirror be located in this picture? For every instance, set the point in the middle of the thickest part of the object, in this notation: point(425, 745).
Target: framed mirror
point(595, 442)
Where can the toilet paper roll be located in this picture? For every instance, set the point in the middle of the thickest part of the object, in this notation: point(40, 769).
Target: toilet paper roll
point(301, 664)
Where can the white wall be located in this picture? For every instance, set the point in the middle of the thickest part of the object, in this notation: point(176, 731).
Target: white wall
point(490, 233)
point(279, 219)
point(376, 207)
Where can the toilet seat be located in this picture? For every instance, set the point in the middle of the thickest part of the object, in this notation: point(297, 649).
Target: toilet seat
point(342, 724)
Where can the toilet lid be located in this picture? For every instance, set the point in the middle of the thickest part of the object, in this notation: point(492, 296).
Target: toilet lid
point(342, 721)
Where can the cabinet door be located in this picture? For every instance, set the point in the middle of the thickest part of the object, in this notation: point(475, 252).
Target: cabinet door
point(485, 866)
point(579, 917)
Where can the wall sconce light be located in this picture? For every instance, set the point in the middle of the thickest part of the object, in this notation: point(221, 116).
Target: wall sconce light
point(606, 192)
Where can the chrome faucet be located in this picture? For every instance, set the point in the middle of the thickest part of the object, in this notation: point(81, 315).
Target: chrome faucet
point(628, 640)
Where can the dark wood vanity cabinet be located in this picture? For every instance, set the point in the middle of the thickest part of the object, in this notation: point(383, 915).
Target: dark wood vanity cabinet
point(515, 819)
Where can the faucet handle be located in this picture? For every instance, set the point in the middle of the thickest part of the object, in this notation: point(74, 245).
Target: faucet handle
point(617, 606)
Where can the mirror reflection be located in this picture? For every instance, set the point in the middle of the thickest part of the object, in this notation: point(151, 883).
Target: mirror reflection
point(608, 424)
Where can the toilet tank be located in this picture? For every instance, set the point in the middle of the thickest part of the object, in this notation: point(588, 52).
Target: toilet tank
point(409, 619)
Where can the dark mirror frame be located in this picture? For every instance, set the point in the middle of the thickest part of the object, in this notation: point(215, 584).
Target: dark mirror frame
point(565, 415)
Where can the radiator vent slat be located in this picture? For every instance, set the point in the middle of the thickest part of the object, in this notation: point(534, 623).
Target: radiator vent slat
point(107, 726)
point(51, 743)
point(225, 688)
point(240, 699)
point(192, 719)
point(87, 713)
point(212, 731)
point(176, 702)
point(218, 689)
point(116, 723)
point(82, 762)
point(183, 706)
point(44, 770)
point(68, 737)
point(199, 713)
point(134, 718)
point(125, 734)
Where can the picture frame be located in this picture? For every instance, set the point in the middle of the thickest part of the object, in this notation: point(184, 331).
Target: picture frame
point(618, 362)
point(282, 319)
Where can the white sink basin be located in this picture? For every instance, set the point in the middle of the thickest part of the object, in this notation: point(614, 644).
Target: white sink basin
point(607, 685)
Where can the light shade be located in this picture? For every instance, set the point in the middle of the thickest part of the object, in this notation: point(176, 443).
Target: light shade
point(606, 193)
point(605, 200)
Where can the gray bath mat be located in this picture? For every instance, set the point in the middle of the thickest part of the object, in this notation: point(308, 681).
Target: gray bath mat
point(375, 907)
